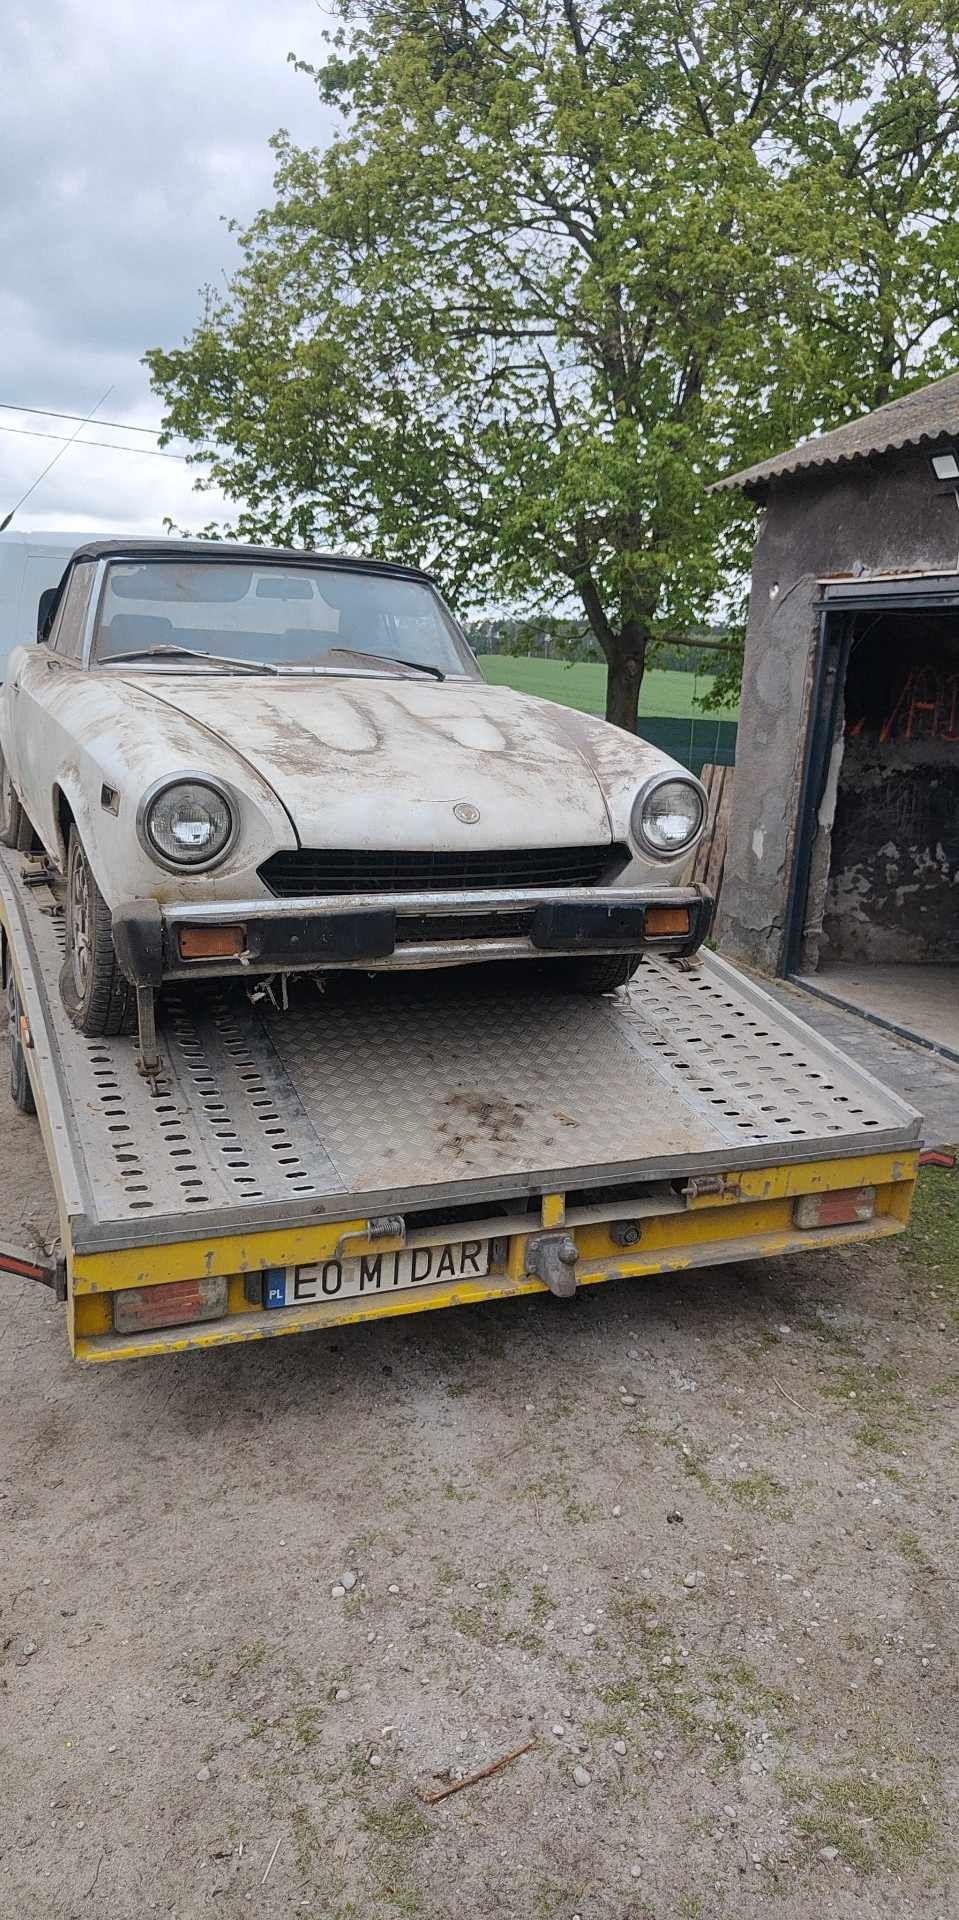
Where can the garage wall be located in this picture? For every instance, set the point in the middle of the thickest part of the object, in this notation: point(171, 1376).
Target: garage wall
point(870, 518)
point(893, 892)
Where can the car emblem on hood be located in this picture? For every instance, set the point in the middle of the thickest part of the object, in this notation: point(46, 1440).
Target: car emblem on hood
point(467, 813)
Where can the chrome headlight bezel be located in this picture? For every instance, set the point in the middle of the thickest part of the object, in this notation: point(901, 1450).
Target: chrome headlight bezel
point(156, 792)
point(637, 828)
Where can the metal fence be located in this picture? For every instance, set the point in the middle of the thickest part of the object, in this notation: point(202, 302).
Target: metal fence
point(697, 743)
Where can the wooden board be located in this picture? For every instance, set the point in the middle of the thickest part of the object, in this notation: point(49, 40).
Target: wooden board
point(711, 853)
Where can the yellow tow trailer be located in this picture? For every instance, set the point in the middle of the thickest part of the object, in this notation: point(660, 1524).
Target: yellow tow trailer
point(409, 1143)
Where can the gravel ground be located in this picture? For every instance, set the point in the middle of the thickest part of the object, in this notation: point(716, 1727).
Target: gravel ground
point(695, 1539)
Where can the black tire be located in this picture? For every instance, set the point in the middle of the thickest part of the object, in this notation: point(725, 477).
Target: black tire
point(15, 828)
point(591, 972)
point(97, 997)
point(21, 1092)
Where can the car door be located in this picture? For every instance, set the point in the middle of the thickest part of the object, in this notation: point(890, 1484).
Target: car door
point(41, 704)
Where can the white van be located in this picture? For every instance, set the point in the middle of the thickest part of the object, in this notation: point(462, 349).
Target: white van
point(29, 563)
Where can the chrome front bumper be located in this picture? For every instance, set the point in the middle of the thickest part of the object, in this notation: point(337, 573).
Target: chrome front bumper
point(405, 930)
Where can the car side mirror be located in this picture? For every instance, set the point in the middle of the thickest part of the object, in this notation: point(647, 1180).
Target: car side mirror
point(48, 600)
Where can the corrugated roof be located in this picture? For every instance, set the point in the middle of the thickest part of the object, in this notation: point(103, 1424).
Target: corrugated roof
point(931, 413)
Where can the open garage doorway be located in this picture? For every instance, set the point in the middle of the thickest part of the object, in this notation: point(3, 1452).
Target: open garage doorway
point(874, 914)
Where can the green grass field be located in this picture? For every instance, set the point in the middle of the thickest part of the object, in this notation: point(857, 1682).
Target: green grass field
point(666, 694)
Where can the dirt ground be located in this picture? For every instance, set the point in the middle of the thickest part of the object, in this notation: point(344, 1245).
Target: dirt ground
point(696, 1539)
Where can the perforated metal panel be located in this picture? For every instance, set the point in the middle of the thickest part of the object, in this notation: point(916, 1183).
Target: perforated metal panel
point(734, 1056)
point(396, 1091)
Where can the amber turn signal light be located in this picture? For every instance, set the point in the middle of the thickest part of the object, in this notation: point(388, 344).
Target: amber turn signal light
point(212, 943)
point(661, 920)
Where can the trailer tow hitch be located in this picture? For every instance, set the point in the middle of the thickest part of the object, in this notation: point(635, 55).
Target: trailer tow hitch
point(551, 1257)
point(24, 1265)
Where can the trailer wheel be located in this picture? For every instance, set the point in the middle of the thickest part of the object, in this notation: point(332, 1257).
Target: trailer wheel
point(15, 828)
point(593, 972)
point(97, 997)
point(21, 1092)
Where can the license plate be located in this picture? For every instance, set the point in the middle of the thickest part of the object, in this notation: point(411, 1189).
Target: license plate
point(376, 1273)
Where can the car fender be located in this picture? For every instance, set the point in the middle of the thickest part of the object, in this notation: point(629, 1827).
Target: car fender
point(624, 763)
point(70, 803)
point(121, 865)
point(101, 774)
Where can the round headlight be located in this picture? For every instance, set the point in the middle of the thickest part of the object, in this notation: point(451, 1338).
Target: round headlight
point(189, 824)
point(668, 816)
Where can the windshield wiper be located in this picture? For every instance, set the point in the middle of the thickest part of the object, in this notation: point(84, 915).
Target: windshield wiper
point(266, 666)
point(191, 653)
point(389, 659)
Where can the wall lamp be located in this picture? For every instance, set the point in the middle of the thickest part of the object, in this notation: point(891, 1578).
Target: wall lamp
point(945, 466)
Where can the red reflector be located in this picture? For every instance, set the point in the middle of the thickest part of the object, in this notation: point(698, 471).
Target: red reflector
point(212, 943)
point(666, 920)
point(840, 1209)
point(178, 1304)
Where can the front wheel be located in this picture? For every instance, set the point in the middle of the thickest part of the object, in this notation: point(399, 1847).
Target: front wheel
point(591, 972)
point(98, 998)
point(15, 828)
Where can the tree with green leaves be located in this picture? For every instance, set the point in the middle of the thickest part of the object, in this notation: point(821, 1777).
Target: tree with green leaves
point(565, 262)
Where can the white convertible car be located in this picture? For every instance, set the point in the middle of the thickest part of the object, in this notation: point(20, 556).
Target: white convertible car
point(250, 761)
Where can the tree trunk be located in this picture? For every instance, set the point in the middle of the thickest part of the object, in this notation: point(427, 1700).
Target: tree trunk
point(626, 665)
point(625, 652)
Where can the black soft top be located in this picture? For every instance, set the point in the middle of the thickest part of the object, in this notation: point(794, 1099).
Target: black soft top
point(116, 548)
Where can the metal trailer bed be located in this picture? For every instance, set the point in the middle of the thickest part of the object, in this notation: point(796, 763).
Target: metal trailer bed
point(398, 1110)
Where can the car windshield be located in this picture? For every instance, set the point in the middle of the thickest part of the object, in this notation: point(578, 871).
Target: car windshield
point(214, 615)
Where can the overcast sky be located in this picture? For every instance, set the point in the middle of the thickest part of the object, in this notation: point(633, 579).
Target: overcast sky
point(128, 131)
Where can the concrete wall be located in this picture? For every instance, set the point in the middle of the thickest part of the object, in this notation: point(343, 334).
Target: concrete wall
point(882, 517)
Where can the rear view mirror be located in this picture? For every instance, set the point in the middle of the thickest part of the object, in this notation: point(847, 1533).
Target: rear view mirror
point(48, 599)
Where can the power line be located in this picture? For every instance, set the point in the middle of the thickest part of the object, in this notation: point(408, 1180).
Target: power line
point(109, 446)
point(52, 463)
point(51, 413)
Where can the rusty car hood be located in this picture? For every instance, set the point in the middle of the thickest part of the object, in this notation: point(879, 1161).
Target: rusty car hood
point(382, 763)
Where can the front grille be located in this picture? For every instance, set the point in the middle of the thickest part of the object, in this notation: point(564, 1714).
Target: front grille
point(418, 929)
point(305, 870)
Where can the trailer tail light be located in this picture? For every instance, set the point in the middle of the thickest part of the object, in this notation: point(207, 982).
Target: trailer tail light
point(180, 1303)
point(840, 1209)
point(662, 920)
point(211, 943)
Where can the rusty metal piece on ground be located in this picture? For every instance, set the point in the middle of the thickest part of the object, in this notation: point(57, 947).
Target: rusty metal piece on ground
point(938, 1157)
point(551, 1257)
point(432, 1796)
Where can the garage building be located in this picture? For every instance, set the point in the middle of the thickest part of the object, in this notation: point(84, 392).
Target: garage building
point(842, 866)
